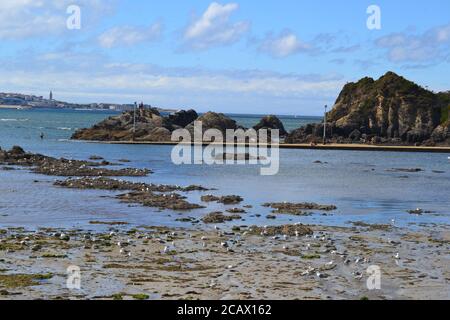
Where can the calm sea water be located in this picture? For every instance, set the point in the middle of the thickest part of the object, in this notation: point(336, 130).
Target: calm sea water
point(357, 182)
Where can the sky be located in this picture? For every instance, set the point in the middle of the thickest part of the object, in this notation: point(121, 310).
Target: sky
point(278, 57)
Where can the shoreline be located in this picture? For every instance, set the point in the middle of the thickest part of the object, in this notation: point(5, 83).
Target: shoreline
point(349, 147)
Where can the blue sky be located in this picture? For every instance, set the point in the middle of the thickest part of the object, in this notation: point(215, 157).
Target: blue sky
point(282, 57)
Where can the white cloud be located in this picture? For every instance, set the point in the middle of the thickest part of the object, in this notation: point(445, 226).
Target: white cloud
point(284, 45)
point(214, 28)
point(103, 80)
point(128, 35)
point(36, 18)
point(429, 47)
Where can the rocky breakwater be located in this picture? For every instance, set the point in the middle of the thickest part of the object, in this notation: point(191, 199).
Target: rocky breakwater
point(390, 110)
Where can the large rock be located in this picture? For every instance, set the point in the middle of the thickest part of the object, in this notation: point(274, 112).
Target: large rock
point(442, 133)
point(147, 125)
point(183, 118)
point(391, 108)
point(212, 120)
point(270, 123)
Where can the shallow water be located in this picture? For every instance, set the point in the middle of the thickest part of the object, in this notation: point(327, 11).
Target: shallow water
point(356, 182)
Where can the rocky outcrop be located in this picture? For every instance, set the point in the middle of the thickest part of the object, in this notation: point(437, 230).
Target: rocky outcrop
point(64, 167)
point(213, 120)
point(151, 126)
point(121, 128)
point(271, 123)
point(390, 110)
point(183, 118)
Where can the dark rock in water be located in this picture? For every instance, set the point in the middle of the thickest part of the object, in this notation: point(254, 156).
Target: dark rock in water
point(236, 210)
point(238, 157)
point(219, 217)
point(171, 201)
point(16, 151)
point(297, 208)
point(63, 167)
point(408, 170)
point(95, 158)
point(227, 200)
point(183, 118)
point(121, 185)
point(390, 110)
point(271, 122)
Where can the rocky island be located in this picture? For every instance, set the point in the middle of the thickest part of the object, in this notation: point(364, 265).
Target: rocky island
point(151, 126)
point(389, 111)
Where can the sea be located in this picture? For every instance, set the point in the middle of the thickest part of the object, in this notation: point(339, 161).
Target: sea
point(361, 184)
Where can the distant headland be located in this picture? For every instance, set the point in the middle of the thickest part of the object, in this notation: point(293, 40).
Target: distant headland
point(28, 101)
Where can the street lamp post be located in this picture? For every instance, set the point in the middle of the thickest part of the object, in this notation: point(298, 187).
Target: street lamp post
point(325, 126)
point(134, 119)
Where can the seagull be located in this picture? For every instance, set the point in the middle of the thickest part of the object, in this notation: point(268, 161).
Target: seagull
point(166, 249)
point(119, 244)
point(397, 256)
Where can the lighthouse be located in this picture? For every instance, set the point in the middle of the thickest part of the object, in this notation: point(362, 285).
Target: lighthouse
point(51, 95)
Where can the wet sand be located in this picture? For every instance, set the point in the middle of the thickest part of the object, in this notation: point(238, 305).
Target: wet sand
point(249, 263)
